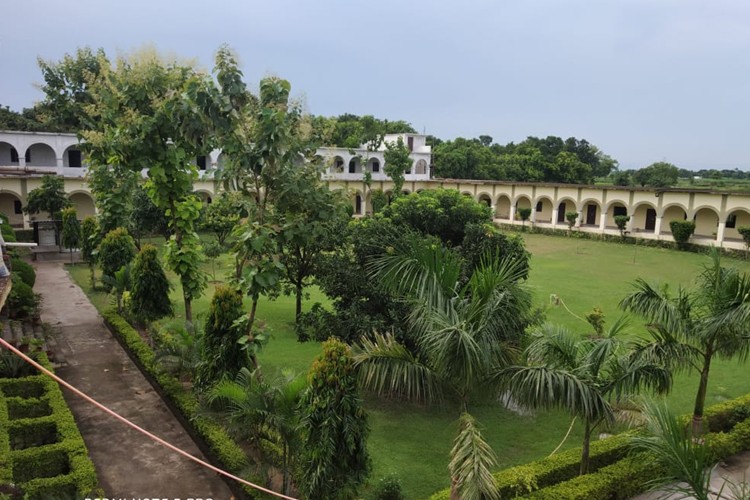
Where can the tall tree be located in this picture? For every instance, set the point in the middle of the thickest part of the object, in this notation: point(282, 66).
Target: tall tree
point(334, 427)
point(150, 290)
point(113, 187)
point(695, 326)
point(659, 174)
point(223, 214)
point(49, 197)
point(587, 377)
point(71, 230)
point(396, 163)
point(147, 112)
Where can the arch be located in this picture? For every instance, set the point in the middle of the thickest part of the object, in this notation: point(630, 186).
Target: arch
point(591, 212)
point(11, 204)
point(739, 217)
point(615, 208)
point(83, 203)
point(73, 157)
point(204, 195)
point(355, 165)
point(8, 154)
point(502, 207)
point(468, 193)
point(564, 205)
point(420, 167)
point(706, 222)
point(373, 165)
point(674, 211)
point(40, 155)
point(485, 198)
point(358, 204)
point(643, 218)
point(522, 201)
point(543, 210)
point(221, 160)
point(337, 165)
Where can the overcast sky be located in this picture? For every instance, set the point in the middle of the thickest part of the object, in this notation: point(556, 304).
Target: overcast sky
point(644, 80)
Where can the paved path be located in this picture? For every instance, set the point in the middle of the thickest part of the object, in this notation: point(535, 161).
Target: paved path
point(129, 465)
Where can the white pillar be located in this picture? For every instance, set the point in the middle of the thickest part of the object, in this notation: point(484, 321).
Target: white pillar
point(533, 215)
point(720, 233)
point(512, 215)
point(579, 219)
point(554, 216)
point(493, 208)
point(603, 221)
point(657, 227)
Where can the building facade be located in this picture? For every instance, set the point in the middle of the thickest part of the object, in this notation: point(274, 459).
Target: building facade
point(26, 156)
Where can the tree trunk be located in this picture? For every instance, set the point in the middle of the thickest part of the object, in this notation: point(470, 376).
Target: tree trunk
point(298, 304)
point(585, 449)
point(454, 489)
point(700, 398)
point(188, 308)
point(285, 484)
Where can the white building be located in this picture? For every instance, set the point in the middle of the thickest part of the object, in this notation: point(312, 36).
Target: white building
point(351, 164)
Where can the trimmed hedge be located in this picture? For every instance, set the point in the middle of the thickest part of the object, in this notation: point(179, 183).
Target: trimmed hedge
point(614, 474)
point(41, 449)
point(218, 443)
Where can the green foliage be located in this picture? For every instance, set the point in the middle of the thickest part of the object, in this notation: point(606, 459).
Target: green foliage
point(334, 427)
point(471, 461)
point(621, 221)
point(682, 230)
point(24, 270)
point(145, 217)
point(388, 488)
point(149, 295)
point(71, 229)
point(223, 214)
point(49, 197)
point(352, 131)
point(114, 188)
point(486, 239)
point(444, 213)
point(22, 302)
point(571, 218)
point(659, 174)
point(745, 233)
point(596, 320)
point(221, 355)
point(524, 214)
point(41, 450)
point(379, 201)
point(116, 250)
point(396, 163)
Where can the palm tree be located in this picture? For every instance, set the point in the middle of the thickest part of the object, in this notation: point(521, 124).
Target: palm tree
point(587, 377)
point(461, 329)
point(263, 408)
point(710, 320)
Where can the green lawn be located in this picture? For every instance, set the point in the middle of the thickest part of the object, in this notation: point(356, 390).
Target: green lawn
point(414, 441)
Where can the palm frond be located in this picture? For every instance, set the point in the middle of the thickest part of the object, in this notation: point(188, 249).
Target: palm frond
point(659, 307)
point(554, 346)
point(630, 375)
point(664, 347)
point(472, 460)
point(388, 368)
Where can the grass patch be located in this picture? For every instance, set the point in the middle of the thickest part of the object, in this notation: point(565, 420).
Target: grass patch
point(414, 441)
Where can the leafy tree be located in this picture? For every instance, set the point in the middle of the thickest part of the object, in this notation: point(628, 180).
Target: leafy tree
point(659, 174)
point(486, 239)
point(116, 250)
point(149, 295)
point(444, 213)
point(682, 230)
point(621, 178)
point(571, 218)
point(13, 120)
point(379, 201)
point(696, 326)
point(223, 214)
point(588, 378)
point(113, 187)
point(71, 230)
point(221, 354)
point(89, 243)
point(622, 223)
point(49, 197)
point(265, 409)
point(119, 282)
point(524, 214)
point(396, 163)
point(146, 217)
point(67, 88)
point(148, 112)
point(334, 427)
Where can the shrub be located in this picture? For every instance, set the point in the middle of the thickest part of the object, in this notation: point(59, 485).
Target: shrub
point(22, 302)
point(571, 218)
point(622, 221)
point(682, 230)
point(116, 250)
point(317, 324)
point(24, 270)
point(388, 488)
point(149, 296)
point(71, 229)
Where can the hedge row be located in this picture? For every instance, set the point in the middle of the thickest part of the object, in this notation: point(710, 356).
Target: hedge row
point(218, 443)
point(644, 242)
point(610, 472)
point(41, 449)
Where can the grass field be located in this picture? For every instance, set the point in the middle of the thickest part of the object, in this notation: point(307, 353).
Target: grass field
point(414, 441)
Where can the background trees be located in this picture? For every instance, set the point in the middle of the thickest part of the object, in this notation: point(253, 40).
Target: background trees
point(659, 174)
point(49, 197)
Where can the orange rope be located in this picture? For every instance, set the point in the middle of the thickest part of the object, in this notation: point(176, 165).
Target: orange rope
point(136, 427)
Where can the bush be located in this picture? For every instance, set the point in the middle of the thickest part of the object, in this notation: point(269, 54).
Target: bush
point(24, 235)
point(388, 488)
point(24, 270)
point(116, 250)
point(682, 230)
point(149, 296)
point(22, 302)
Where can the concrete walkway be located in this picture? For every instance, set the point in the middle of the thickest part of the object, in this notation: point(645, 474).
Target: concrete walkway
point(129, 465)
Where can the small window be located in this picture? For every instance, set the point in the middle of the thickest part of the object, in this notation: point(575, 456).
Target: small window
point(13, 155)
point(410, 142)
point(620, 210)
point(539, 206)
point(28, 155)
point(74, 158)
point(17, 208)
point(352, 166)
point(731, 221)
point(201, 162)
point(375, 166)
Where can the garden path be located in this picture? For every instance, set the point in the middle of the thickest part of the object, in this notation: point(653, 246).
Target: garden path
point(129, 464)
